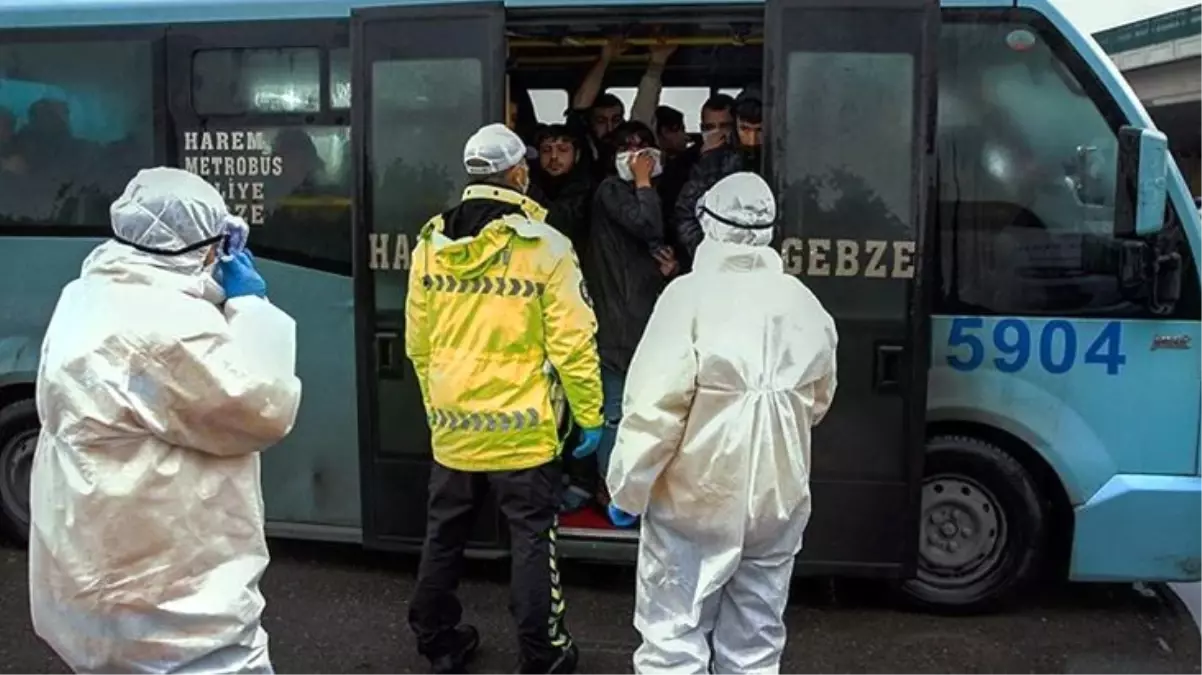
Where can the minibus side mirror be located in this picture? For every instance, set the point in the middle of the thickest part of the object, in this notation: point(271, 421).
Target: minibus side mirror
point(1141, 188)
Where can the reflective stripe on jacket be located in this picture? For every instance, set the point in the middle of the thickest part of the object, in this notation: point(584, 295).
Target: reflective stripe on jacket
point(490, 319)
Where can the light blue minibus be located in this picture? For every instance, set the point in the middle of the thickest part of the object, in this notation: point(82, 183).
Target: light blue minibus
point(970, 187)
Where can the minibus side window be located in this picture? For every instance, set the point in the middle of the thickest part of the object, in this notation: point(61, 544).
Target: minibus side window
point(237, 81)
point(420, 108)
point(1027, 169)
point(291, 181)
point(76, 123)
point(848, 142)
point(421, 112)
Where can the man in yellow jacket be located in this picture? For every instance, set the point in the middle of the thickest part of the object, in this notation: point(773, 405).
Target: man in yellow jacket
point(497, 308)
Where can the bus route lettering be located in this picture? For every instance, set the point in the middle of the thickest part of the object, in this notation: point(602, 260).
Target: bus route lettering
point(236, 163)
point(872, 258)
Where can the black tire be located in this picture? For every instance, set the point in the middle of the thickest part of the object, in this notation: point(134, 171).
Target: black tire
point(19, 428)
point(982, 529)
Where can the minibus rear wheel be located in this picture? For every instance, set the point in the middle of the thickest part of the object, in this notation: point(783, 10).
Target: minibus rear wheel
point(19, 428)
point(981, 528)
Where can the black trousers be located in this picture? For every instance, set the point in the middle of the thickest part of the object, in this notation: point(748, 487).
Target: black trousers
point(529, 500)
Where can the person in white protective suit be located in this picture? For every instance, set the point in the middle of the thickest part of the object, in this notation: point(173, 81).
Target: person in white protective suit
point(158, 386)
point(713, 451)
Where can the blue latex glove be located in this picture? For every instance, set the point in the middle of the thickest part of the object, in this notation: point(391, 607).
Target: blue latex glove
point(589, 440)
point(240, 278)
point(620, 518)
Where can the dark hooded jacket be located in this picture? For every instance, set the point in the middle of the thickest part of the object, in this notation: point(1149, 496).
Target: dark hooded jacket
point(568, 200)
point(468, 217)
point(624, 279)
point(676, 173)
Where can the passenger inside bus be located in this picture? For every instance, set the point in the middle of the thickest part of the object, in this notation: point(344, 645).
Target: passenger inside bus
point(67, 146)
point(45, 159)
point(669, 129)
point(616, 186)
point(561, 182)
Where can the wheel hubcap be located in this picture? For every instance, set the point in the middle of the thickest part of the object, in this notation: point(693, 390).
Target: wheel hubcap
point(963, 531)
point(17, 472)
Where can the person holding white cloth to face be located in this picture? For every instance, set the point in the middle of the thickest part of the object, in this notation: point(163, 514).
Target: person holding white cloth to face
point(158, 386)
point(713, 451)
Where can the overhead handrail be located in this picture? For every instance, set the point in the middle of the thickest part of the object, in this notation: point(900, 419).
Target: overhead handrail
point(585, 58)
point(574, 42)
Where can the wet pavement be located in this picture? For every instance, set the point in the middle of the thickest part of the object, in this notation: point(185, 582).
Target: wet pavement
point(342, 610)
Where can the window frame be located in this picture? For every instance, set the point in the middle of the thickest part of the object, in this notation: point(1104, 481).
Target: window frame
point(1110, 110)
point(184, 41)
point(154, 38)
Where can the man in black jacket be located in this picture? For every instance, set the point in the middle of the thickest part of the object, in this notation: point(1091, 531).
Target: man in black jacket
point(742, 154)
point(678, 159)
point(564, 184)
point(627, 266)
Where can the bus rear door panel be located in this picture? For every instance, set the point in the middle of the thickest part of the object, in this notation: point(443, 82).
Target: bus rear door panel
point(852, 89)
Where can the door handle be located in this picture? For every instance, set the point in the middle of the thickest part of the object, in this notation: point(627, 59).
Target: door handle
point(887, 367)
point(389, 361)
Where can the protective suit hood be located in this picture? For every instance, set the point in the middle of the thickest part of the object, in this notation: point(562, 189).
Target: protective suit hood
point(176, 216)
point(739, 209)
point(471, 253)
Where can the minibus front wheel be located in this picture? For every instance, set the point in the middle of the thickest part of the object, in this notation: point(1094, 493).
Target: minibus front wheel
point(18, 438)
point(981, 528)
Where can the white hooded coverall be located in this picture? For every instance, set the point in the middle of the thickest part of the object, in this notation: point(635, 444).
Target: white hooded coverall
point(735, 367)
point(147, 543)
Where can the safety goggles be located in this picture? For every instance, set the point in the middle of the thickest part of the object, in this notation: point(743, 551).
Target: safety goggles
point(702, 210)
point(232, 239)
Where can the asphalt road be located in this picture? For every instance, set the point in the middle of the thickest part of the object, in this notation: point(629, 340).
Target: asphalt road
point(341, 610)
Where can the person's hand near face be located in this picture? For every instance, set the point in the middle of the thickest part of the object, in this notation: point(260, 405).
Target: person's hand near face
point(642, 165)
point(716, 128)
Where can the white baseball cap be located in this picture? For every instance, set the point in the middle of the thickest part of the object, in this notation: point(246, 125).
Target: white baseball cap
point(493, 149)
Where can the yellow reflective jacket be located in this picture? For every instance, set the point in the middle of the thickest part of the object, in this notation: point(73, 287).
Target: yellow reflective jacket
point(487, 318)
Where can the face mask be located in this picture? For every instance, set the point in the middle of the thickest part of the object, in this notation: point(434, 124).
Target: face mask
point(211, 288)
point(622, 163)
point(715, 138)
point(518, 178)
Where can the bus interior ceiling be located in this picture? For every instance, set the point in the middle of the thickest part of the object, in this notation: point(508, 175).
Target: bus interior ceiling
point(721, 50)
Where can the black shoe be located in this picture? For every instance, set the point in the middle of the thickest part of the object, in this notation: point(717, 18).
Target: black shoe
point(564, 664)
point(466, 640)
